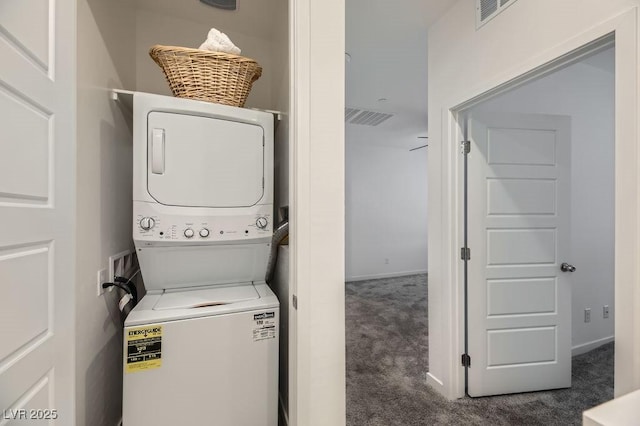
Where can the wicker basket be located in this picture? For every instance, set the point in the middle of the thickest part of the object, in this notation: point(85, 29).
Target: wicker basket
point(217, 77)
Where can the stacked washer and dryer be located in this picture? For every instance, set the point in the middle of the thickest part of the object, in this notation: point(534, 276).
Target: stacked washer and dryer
point(201, 347)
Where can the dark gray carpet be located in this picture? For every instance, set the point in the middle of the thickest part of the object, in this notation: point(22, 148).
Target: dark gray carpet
point(387, 358)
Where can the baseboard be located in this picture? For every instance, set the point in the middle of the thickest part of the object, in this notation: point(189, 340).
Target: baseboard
point(388, 275)
point(589, 346)
point(282, 412)
point(435, 383)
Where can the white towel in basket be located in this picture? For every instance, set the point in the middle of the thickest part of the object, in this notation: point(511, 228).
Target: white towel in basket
point(219, 42)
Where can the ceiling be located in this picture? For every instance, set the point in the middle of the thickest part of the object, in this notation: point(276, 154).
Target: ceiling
point(387, 42)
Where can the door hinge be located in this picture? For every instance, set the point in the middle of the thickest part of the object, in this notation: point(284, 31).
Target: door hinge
point(466, 360)
point(263, 182)
point(295, 301)
point(465, 253)
point(465, 147)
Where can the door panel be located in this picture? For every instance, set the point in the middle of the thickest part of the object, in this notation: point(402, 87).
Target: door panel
point(25, 25)
point(503, 296)
point(521, 146)
point(518, 346)
point(519, 311)
point(515, 196)
point(24, 156)
point(204, 161)
point(37, 207)
point(520, 246)
point(23, 276)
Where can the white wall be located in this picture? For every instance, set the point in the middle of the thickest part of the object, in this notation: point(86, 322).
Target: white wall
point(464, 63)
point(386, 208)
point(586, 93)
point(104, 156)
point(157, 27)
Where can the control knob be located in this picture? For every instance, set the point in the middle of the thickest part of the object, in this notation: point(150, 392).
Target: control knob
point(188, 233)
point(204, 232)
point(262, 222)
point(147, 223)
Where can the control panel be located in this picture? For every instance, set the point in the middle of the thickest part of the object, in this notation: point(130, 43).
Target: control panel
point(155, 227)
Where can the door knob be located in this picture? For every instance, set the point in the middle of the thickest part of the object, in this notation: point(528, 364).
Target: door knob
point(565, 267)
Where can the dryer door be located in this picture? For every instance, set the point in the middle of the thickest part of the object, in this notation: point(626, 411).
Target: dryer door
point(204, 161)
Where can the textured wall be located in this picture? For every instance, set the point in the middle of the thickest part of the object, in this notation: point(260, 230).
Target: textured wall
point(104, 155)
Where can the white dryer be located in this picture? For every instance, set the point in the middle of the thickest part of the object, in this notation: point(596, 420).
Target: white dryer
point(201, 347)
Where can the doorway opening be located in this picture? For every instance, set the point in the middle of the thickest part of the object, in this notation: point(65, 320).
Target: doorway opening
point(540, 226)
point(579, 99)
point(386, 151)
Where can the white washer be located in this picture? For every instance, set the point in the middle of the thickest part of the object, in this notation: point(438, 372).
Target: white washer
point(201, 347)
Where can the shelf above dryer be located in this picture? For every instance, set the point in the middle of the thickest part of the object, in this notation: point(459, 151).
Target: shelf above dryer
point(125, 98)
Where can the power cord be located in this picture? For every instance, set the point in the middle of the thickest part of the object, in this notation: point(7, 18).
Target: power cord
point(120, 286)
point(131, 292)
point(130, 284)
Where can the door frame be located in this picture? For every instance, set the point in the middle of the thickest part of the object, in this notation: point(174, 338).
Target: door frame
point(317, 392)
point(621, 30)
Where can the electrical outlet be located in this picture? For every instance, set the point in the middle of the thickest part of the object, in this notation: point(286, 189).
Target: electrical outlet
point(120, 263)
point(102, 278)
point(386, 261)
point(587, 315)
point(605, 311)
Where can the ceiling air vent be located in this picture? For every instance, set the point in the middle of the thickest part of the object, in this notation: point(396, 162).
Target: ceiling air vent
point(364, 117)
point(489, 9)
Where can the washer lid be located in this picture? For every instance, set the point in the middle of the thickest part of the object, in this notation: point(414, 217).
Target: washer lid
point(206, 297)
point(177, 266)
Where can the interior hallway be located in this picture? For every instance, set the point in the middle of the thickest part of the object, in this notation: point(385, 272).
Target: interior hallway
point(387, 358)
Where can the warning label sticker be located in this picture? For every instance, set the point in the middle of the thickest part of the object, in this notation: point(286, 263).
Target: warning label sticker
point(144, 348)
point(265, 326)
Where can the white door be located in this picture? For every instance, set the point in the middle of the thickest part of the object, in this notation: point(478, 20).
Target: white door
point(37, 190)
point(519, 301)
